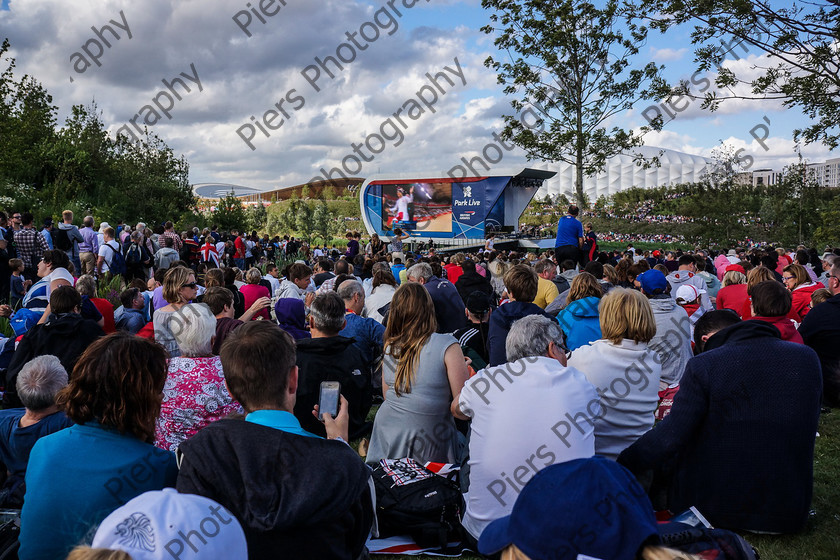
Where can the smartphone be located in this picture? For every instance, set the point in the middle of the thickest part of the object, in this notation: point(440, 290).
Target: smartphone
point(328, 399)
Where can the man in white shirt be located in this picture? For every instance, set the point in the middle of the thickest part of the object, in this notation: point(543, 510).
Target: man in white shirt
point(106, 251)
point(527, 414)
point(272, 277)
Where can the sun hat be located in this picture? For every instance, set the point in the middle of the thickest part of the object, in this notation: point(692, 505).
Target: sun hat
point(153, 525)
point(585, 507)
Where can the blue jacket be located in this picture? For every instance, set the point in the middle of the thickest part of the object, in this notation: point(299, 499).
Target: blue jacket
point(580, 322)
point(368, 336)
point(500, 322)
point(740, 436)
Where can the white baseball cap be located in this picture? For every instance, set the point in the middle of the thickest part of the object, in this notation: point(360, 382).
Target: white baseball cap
point(686, 293)
point(165, 524)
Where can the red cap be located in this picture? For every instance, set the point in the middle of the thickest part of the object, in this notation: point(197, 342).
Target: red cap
point(736, 268)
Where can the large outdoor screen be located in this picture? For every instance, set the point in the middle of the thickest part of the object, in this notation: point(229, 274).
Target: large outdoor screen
point(422, 207)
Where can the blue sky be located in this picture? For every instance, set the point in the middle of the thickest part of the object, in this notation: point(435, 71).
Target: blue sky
point(245, 76)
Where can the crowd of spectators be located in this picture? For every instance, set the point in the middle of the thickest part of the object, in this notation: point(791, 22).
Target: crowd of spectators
point(526, 370)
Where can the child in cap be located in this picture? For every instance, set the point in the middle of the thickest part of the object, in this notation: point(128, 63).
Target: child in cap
point(688, 297)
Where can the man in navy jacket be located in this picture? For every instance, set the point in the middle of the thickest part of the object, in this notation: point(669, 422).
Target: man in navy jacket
point(739, 442)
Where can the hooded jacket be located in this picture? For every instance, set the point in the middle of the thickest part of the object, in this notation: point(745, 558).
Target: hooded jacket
point(65, 337)
point(291, 316)
point(579, 320)
point(500, 322)
point(672, 342)
point(296, 497)
point(741, 432)
point(334, 358)
point(785, 326)
point(820, 330)
point(289, 289)
point(712, 283)
point(681, 277)
point(801, 300)
point(74, 236)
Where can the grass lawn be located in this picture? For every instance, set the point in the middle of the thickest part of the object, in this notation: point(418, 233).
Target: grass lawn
point(821, 539)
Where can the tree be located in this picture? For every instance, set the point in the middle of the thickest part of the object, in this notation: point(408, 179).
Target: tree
point(229, 213)
point(257, 216)
point(304, 224)
point(803, 66)
point(79, 166)
point(27, 123)
point(324, 221)
point(570, 68)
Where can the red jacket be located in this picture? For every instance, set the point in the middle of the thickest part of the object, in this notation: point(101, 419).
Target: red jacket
point(801, 300)
point(785, 326)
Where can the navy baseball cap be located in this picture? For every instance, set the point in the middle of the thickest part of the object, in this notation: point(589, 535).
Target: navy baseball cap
point(652, 280)
point(592, 507)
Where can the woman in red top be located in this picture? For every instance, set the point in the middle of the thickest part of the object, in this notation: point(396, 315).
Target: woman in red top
point(252, 291)
point(797, 281)
point(733, 294)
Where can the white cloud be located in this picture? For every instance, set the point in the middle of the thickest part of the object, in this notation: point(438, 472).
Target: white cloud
point(666, 54)
point(244, 77)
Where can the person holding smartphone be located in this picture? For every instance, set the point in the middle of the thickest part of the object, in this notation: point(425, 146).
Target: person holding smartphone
point(321, 485)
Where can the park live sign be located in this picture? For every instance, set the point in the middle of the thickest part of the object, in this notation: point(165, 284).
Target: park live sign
point(431, 206)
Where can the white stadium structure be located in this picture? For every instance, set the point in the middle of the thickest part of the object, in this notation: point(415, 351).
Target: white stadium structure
point(622, 173)
point(219, 190)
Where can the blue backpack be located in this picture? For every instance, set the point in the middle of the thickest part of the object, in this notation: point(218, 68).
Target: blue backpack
point(117, 265)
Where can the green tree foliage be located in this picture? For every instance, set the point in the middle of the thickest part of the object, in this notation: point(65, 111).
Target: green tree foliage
point(304, 223)
point(803, 66)
point(324, 221)
point(827, 233)
point(571, 71)
point(229, 213)
point(79, 166)
point(257, 217)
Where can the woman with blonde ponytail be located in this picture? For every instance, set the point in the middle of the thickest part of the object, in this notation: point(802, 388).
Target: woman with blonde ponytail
point(422, 376)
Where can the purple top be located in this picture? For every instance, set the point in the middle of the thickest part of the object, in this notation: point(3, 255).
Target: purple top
point(157, 298)
point(91, 243)
point(291, 316)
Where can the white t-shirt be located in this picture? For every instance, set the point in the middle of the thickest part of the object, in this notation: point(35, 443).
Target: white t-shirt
point(58, 274)
point(107, 250)
point(521, 423)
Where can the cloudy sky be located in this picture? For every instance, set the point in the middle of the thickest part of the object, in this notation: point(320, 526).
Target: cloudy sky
point(250, 78)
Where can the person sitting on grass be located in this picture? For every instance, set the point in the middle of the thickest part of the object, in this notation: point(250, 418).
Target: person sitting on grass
point(739, 441)
point(521, 284)
point(291, 491)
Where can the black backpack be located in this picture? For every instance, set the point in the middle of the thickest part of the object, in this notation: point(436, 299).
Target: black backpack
point(134, 256)
point(410, 499)
point(61, 239)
